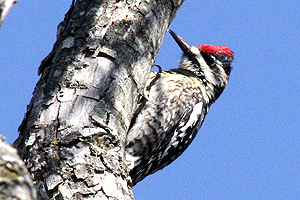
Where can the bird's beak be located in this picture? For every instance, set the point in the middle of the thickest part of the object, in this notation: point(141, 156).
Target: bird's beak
point(185, 47)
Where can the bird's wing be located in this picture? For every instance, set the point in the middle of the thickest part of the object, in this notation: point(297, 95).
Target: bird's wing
point(174, 111)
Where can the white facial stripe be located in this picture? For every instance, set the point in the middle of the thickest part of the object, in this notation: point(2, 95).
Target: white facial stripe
point(204, 67)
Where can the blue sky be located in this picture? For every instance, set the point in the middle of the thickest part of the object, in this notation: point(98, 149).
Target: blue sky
point(249, 144)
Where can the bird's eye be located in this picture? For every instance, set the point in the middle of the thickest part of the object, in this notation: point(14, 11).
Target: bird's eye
point(208, 58)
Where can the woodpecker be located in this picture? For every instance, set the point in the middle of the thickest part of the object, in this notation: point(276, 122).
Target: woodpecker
point(174, 107)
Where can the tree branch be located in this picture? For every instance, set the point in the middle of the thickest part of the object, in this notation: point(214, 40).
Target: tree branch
point(15, 181)
point(5, 6)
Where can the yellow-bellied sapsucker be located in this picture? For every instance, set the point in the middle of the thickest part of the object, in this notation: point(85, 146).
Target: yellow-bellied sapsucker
point(176, 103)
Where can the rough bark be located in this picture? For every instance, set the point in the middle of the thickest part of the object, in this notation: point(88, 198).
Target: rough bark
point(72, 136)
point(15, 181)
point(5, 6)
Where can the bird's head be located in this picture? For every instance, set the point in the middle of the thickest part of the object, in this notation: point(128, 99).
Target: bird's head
point(212, 64)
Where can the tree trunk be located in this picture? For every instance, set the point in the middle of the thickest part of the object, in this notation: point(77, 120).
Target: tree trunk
point(72, 136)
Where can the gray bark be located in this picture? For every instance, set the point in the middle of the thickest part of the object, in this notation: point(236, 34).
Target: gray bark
point(5, 6)
point(15, 181)
point(72, 136)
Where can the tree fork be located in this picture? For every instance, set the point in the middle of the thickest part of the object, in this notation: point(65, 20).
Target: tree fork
point(72, 136)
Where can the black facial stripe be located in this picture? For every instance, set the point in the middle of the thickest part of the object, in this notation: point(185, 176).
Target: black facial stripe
point(223, 58)
point(208, 59)
point(189, 73)
point(226, 61)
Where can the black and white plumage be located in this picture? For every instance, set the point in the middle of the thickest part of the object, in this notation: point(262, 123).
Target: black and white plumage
point(175, 105)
